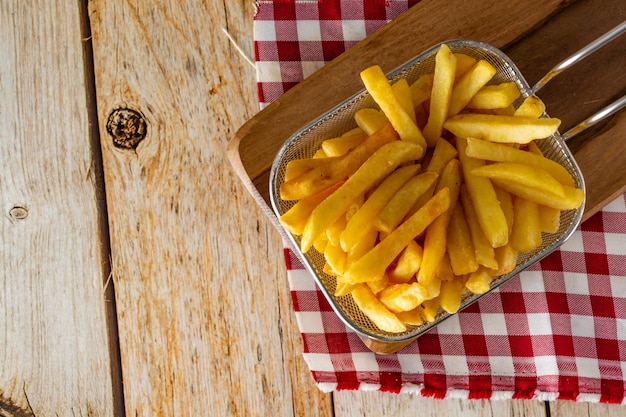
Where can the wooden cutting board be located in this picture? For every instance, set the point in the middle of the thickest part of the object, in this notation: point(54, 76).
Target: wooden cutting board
point(535, 34)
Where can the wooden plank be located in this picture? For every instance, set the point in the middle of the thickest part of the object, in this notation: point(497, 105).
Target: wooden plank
point(372, 404)
point(205, 317)
point(501, 24)
point(54, 347)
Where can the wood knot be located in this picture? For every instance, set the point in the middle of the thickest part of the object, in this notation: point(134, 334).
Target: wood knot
point(127, 127)
point(18, 212)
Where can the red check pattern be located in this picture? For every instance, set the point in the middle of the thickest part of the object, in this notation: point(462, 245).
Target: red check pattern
point(558, 331)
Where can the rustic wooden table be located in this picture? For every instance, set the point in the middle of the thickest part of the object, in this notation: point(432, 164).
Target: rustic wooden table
point(137, 276)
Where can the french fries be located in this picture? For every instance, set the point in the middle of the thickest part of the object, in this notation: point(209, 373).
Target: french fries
point(408, 221)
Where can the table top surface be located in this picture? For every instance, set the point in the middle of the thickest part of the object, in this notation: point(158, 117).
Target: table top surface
point(139, 276)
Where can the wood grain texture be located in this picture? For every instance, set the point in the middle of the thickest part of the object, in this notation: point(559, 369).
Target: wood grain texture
point(54, 350)
point(205, 317)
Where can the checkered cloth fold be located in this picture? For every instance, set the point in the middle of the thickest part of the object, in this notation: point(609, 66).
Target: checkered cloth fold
point(558, 331)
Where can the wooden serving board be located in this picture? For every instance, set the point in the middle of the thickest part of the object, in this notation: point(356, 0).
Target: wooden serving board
point(535, 34)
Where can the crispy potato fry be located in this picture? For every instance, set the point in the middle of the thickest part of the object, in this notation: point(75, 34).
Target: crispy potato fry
point(459, 245)
point(408, 263)
point(343, 144)
point(412, 318)
point(526, 233)
point(373, 170)
point(403, 297)
point(334, 230)
point(294, 219)
point(523, 174)
point(421, 89)
point(343, 289)
point(506, 204)
point(378, 86)
point(444, 269)
point(485, 254)
point(430, 308)
point(532, 106)
point(504, 129)
point(479, 281)
point(361, 221)
point(443, 81)
point(336, 170)
point(365, 244)
point(443, 153)
point(373, 264)
point(450, 294)
point(463, 64)
point(378, 285)
point(484, 199)
point(496, 96)
point(507, 259)
point(399, 205)
point(436, 234)
point(297, 167)
point(573, 198)
point(370, 120)
point(549, 219)
point(500, 152)
point(335, 258)
point(469, 84)
point(402, 90)
point(376, 311)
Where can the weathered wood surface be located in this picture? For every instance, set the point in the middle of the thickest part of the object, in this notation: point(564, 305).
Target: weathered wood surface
point(204, 312)
point(54, 349)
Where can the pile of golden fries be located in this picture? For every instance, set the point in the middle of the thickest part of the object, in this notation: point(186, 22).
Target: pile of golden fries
point(433, 194)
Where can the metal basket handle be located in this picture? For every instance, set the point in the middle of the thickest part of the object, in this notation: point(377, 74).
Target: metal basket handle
point(573, 59)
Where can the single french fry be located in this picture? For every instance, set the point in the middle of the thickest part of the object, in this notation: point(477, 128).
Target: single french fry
point(499, 152)
point(334, 230)
point(421, 89)
point(444, 269)
point(526, 233)
point(443, 81)
point(496, 96)
point(361, 221)
point(297, 167)
point(549, 219)
point(379, 285)
point(343, 289)
point(343, 144)
point(498, 128)
point(403, 297)
point(436, 234)
point(294, 219)
point(463, 64)
point(528, 176)
point(443, 153)
point(373, 170)
point(573, 198)
point(479, 281)
point(485, 254)
point(412, 317)
point(402, 90)
point(408, 263)
point(459, 244)
point(450, 294)
point(367, 302)
point(532, 106)
point(339, 169)
point(506, 204)
point(380, 89)
point(390, 216)
point(430, 308)
point(484, 199)
point(365, 244)
point(335, 258)
point(373, 264)
point(370, 120)
point(469, 84)
point(507, 259)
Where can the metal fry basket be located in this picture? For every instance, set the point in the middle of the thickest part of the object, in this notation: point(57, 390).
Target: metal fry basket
point(304, 143)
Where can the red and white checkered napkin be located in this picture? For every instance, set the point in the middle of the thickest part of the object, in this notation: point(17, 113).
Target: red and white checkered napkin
point(558, 331)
